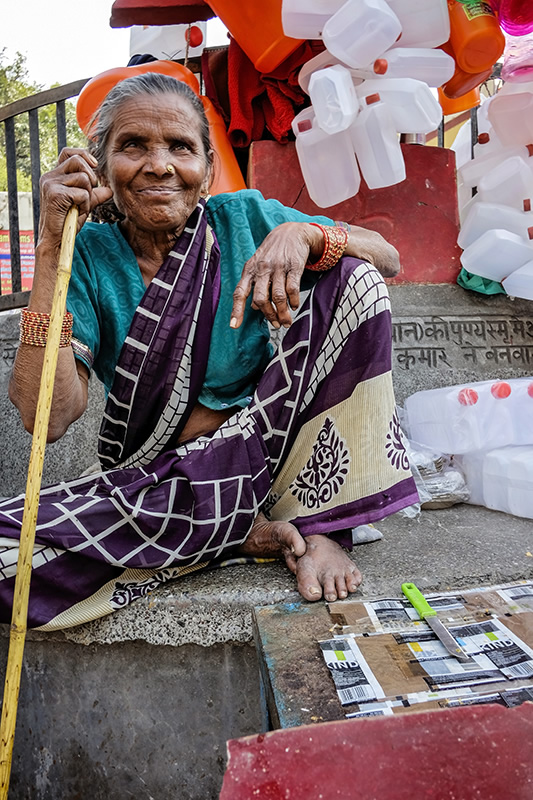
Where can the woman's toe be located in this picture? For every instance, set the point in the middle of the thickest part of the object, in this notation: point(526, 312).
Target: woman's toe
point(353, 579)
point(340, 584)
point(308, 583)
point(330, 591)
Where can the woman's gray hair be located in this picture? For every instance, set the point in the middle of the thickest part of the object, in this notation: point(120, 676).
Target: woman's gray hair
point(148, 83)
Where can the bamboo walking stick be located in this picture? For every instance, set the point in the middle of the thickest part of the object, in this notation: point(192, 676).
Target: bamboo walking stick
point(31, 505)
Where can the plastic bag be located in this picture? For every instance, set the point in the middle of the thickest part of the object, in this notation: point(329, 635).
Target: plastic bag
point(439, 481)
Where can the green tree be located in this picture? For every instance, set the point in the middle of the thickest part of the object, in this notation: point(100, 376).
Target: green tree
point(14, 85)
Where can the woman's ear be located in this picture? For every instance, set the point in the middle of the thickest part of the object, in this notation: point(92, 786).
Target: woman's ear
point(208, 180)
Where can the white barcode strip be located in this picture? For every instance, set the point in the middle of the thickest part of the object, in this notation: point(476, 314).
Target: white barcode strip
point(524, 670)
point(356, 694)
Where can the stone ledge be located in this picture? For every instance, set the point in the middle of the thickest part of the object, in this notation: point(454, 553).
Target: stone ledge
point(452, 548)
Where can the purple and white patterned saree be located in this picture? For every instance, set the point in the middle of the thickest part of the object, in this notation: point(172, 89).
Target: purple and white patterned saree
point(319, 445)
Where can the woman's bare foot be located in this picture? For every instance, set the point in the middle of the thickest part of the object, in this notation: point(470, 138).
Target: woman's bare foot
point(274, 540)
point(326, 567)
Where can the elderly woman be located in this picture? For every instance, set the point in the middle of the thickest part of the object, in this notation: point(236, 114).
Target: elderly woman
point(209, 446)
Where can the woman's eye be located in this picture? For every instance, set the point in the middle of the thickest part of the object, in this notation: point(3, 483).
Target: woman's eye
point(180, 146)
point(130, 145)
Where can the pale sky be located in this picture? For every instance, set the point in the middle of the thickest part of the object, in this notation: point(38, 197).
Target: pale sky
point(66, 40)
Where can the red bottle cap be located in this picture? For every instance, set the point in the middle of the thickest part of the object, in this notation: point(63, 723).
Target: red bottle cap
point(194, 36)
point(468, 397)
point(530, 232)
point(381, 66)
point(372, 98)
point(500, 389)
point(527, 204)
point(530, 390)
point(529, 149)
point(483, 138)
point(306, 125)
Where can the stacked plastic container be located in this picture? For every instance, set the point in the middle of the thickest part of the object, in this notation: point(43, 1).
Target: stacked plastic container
point(488, 427)
point(370, 85)
point(495, 191)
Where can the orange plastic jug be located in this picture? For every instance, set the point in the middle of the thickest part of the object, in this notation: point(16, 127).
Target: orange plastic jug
point(462, 82)
point(256, 25)
point(227, 174)
point(455, 105)
point(475, 35)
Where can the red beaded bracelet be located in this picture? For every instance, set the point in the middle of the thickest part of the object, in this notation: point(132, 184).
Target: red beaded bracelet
point(335, 242)
point(34, 328)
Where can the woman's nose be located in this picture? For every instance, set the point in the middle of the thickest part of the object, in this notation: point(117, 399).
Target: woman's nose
point(157, 161)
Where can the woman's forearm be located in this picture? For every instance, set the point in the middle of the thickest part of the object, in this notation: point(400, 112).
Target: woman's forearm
point(364, 244)
point(71, 380)
point(372, 247)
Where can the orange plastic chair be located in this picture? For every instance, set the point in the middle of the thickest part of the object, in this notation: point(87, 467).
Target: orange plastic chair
point(227, 174)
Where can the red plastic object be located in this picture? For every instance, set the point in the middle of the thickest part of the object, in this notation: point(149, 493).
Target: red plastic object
point(418, 216)
point(125, 13)
point(468, 397)
point(464, 753)
point(500, 389)
point(194, 36)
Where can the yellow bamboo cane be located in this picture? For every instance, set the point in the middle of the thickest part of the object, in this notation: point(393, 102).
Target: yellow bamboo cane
point(31, 505)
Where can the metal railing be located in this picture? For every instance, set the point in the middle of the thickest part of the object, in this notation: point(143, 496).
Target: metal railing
point(30, 106)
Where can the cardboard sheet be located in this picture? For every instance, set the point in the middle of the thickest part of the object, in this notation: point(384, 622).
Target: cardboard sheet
point(384, 660)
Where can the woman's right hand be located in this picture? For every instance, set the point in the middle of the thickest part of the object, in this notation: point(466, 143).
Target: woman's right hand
point(73, 182)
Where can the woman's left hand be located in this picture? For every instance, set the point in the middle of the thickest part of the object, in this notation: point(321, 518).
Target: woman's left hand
point(274, 273)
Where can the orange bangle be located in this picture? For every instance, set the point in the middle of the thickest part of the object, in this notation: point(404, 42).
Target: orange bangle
point(335, 242)
point(34, 328)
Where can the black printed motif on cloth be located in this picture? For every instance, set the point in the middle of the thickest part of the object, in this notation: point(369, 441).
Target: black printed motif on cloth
point(326, 471)
point(270, 502)
point(394, 446)
point(125, 593)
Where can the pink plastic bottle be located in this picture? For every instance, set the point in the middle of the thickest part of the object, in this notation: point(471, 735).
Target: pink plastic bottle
point(514, 16)
point(517, 64)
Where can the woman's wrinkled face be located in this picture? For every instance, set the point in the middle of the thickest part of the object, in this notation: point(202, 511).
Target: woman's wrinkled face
point(151, 135)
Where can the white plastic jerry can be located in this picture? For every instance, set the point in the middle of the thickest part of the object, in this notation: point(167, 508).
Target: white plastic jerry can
point(508, 480)
point(426, 25)
point(434, 67)
point(496, 254)
point(305, 19)
point(471, 172)
point(334, 100)
point(376, 144)
point(511, 116)
point(509, 183)
point(469, 417)
point(482, 217)
point(411, 102)
point(520, 282)
point(360, 31)
point(327, 161)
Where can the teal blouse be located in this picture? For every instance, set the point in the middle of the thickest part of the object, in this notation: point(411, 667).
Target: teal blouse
point(107, 286)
